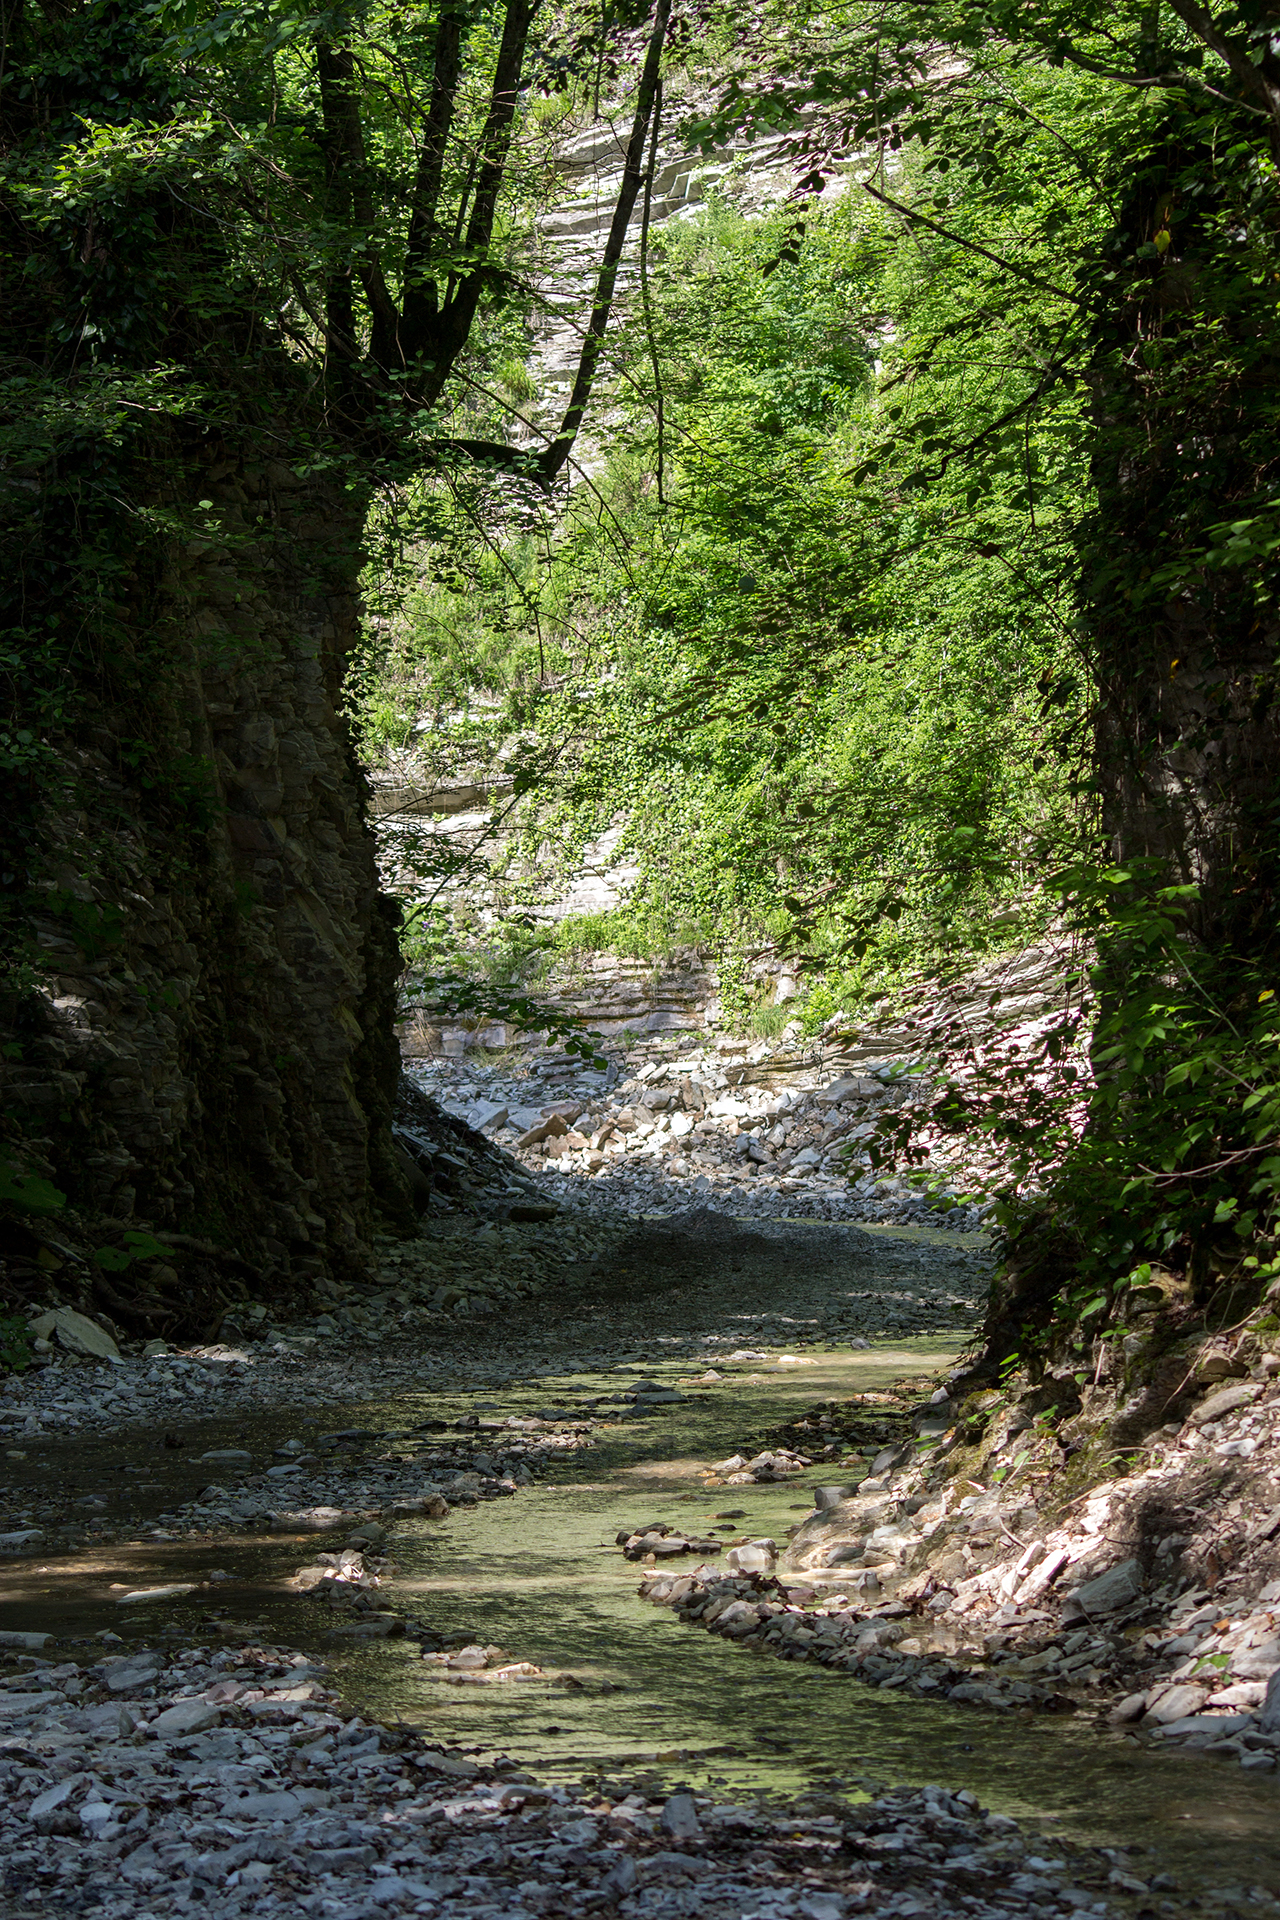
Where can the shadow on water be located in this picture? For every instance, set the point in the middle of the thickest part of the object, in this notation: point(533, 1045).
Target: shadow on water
point(632, 1691)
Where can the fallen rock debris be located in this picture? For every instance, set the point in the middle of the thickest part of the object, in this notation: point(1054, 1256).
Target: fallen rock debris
point(231, 1780)
point(691, 1129)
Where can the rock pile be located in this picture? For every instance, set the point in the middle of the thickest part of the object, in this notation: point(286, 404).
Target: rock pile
point(448, 1163)
point(687, 1127)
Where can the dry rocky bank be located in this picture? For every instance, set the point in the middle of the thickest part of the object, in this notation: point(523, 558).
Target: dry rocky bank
point(975, 1560)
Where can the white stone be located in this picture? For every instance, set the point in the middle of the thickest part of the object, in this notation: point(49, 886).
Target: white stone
point(76, 1332)
point(185, 1717)
point(52, 1798)
point(754, 1557)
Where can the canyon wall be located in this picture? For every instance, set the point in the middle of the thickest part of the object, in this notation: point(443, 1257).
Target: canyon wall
point(200, 986)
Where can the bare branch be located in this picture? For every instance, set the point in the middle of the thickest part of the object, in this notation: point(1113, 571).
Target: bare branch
point(1006, 266)
point(632, 175)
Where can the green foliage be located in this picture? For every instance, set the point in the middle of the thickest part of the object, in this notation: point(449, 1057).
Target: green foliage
point(948, 566)
point(643, 932)
point(823, 714)
point(28, 1193)
point(137, 1246)
point(15, 1343)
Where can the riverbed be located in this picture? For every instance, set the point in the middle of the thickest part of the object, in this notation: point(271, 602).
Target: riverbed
point(630, 1693)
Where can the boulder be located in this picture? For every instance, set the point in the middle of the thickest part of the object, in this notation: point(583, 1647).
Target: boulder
point(263, 1806)
point(757, 1556)
point(76, 1332)
point(1131, 1707)
point(14, 1705)
point(1227, 1400)
point(112, 1722)
point(433, 1505)
point(1256, 1663)
point(1220, 1726)
point(1248, 1693)
point(124, 1675)
point(679, 1818)
point(53, 1798)
point(185, 1717)
point(1176, 1703)
point(851, 1086)
point(1110, 1590)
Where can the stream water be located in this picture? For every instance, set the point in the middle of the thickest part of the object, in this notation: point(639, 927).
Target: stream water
point(632, 1691)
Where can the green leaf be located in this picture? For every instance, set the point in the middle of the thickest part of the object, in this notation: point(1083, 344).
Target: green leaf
point(112, 1259)
point(28, 1192)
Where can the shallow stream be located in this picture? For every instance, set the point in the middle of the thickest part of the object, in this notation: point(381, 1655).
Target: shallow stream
point(632, 1692)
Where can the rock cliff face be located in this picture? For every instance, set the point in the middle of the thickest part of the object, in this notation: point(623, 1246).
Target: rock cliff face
point(199, 1035)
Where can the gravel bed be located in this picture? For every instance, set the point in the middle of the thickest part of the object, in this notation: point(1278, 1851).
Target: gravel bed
point(230, 1780)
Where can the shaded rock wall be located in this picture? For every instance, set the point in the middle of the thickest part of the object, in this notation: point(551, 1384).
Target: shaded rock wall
point(200, 1033)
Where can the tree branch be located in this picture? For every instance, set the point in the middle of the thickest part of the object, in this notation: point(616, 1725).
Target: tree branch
point(421, 295)
point(632, 174)
point(443, 336)
point(349, 174)
point(1006, 266)
point(644, 282)
point(1252, 79)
